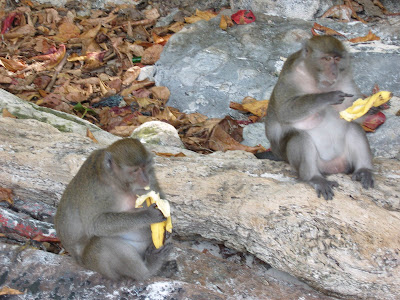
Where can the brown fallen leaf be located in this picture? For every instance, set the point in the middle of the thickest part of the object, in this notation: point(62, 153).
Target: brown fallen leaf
point(200, 15)
point(176, 27)
point(54, 58)
point(18, 32)
point(180, 154)
point(369, 37)
point(96, 21)
point(90, 135)
point(162, 40)
point(13, 65)
point(91, 33)
point(326, 30)
point(152, 14)
point(5, 290)
point(152, 54)
point(353, 5)
point(160, 92)
point(7, 114)
point(225, 22)
point(206, 15)
point(136, 85)
point(66, 31)
point(341, 12)
point(251, 105)
point(5, 79)
point(130, 75)
point(227, 135)
point(6, 195)
point(123, 130)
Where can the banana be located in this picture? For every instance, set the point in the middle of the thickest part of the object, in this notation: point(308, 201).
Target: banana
point(361, 106)
point(157, 229)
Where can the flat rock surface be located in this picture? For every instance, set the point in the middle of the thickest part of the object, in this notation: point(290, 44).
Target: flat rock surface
point(205, 67)
point(346, 247)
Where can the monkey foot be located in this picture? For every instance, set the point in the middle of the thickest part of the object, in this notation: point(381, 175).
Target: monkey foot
point(365, 176)
point(323, 187)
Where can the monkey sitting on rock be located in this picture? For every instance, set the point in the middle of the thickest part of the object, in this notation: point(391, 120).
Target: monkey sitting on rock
point(97, 221)
point(303, 123)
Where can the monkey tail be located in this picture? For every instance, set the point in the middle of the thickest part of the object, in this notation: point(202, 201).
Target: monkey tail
point(268, 155)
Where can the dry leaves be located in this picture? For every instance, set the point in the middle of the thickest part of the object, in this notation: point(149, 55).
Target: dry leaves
point(369, 37)
point(6, 195)
point(88, 66)
point(325, 30)
point(5, 290)
point(251, 105)
point(201, 15)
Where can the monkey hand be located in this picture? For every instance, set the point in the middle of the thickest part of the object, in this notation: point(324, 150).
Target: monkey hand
point(365, 177)
point(154, 214)
point(335, 97)
point(155, 257)
point(158, 229)
point(152, 251)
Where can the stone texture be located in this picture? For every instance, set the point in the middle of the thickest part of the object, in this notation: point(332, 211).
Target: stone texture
point(60, 120)
point(346, 247)
point(205, 67)
point(157, 132)
point(44, 275)
point(301, 9)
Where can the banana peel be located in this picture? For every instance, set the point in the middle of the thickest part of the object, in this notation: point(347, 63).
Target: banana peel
point(157, 229)
point(361, 106)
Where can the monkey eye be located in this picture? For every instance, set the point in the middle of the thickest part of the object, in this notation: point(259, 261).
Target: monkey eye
point(327, 58)
point(337, 59)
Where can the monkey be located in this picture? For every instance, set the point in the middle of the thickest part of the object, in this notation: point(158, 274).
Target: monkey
point(96, 219)
point(303, 123)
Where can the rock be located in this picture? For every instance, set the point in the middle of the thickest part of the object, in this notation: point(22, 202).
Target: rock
point(254, 134)
point(60, 120)
point(305, 10)
point(49, 276)
point(147, 72)
point(205, 68)
point(157, 132)
point(168, 19)
point(385, 141)
point(346, 247)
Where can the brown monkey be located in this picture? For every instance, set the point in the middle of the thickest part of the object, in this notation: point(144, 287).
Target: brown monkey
point(97, 221)
point(303, 124)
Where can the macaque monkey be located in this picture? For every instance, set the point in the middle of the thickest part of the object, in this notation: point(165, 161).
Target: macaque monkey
point(97, 221)
point(303, 123)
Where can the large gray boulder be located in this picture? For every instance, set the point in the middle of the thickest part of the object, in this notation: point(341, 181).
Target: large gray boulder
point(205, 67)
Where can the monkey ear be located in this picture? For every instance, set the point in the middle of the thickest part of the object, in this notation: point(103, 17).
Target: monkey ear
point(306, 51)
point(108, 161)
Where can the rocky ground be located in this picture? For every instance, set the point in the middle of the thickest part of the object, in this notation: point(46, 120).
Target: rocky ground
point(346, 248)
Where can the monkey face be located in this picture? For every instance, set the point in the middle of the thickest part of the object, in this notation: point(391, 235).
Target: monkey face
point(326, 59)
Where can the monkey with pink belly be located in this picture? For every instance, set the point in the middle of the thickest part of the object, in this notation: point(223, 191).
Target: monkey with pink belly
point(303, 123)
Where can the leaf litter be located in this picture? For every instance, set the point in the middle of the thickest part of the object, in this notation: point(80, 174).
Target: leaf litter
point(89, 66)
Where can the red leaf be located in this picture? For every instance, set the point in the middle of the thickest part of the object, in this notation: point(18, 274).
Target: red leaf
point(372, 122)
point(7, 23)
point(53, 58)
point(243, 17)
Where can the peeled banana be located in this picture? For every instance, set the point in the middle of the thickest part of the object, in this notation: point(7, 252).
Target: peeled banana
point(361, 106)
point(157, 229)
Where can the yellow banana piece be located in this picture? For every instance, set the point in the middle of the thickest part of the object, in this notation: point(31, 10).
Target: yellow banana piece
point(361, 106)
point(157, 229)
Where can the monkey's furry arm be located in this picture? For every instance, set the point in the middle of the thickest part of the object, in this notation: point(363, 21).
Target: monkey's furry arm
point(113, 223)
